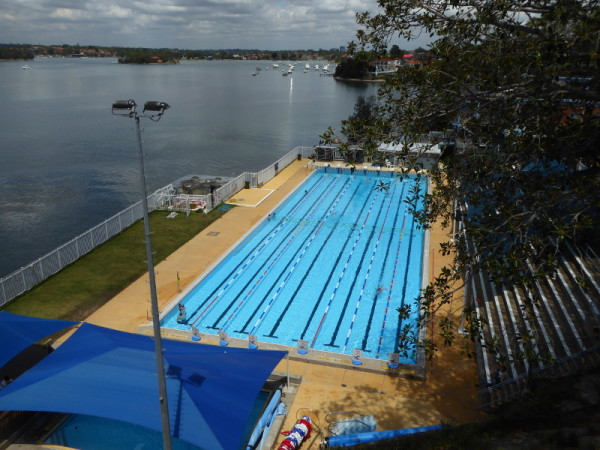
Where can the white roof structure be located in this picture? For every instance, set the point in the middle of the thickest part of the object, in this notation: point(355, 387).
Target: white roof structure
point(414, 148)
point(427, 154)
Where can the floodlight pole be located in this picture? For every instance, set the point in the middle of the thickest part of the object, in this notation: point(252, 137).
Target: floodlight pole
point(158, 350)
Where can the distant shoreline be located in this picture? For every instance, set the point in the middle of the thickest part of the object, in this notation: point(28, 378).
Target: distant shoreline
point(151, 64)
point(374, 80)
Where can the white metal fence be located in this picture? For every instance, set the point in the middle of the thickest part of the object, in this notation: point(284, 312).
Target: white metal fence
point(34, 273)
point(229, 189)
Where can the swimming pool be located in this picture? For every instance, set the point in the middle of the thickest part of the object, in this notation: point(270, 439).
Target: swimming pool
point(329, 266)
point(98, 433)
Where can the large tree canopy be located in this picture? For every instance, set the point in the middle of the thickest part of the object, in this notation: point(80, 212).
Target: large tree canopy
point(516, 85)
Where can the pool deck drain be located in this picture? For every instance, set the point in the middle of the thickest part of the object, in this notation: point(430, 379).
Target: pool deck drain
point(448, 394)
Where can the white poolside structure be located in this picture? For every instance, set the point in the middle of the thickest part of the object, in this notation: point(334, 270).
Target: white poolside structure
point(426, 155)
point(423, 152)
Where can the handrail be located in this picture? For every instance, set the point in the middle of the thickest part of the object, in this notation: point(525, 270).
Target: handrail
point(536, 372)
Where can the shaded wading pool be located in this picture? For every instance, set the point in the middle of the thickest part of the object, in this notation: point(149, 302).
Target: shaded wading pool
point(97, 433)
point(330, 266)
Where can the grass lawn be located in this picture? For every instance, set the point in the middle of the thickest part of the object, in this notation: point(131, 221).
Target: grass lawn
point(81, 288)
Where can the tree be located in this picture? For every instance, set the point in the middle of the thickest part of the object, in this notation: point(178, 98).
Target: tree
point(516, 84)
point(351, 68)
point(395, 51)
point(354, 128)
point(16, 52)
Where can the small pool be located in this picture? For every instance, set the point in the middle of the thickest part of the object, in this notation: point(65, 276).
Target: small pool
point(96, 433)
point(330, 266)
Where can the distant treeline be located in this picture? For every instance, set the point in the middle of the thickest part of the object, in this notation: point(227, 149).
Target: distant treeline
point(148, 56)
point(277, 55)
point(11, 52)
point(152, 55)
point(355, 67)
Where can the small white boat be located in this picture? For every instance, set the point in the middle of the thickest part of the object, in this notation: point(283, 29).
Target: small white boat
point(25, 67)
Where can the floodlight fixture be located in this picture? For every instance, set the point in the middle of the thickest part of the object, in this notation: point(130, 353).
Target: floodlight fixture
point(160, 107)
point(127, 108)
point(124, 107)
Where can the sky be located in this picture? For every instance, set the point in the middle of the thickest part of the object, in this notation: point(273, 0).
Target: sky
point(186, 24)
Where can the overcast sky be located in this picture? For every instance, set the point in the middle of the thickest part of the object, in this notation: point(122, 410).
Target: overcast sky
point(186, 24)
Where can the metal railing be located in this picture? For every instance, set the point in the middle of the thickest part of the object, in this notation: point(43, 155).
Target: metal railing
point(21, 280)
point(51, 263)
point(514, 387)
point(227, 190)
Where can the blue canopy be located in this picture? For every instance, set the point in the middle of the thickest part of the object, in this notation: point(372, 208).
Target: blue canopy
point(108, 373)
point(19, 332)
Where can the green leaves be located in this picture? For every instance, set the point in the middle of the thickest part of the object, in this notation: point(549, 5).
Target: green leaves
point(516, 86)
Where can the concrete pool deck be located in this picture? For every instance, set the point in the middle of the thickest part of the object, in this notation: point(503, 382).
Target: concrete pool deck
point(448, 395)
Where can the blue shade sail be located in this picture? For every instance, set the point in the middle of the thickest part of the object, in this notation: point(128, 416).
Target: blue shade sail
point(19, 332)
point(112, 374)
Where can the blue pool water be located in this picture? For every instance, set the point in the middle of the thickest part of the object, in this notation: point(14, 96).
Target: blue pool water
point(330, 266)
point(97, 433)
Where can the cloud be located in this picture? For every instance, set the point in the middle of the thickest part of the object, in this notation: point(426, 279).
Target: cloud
point(186, 24)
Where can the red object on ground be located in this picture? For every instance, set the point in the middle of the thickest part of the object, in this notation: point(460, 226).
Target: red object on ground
point(295, 437)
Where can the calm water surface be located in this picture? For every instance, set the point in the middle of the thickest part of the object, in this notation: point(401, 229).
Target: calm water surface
point(67, 163)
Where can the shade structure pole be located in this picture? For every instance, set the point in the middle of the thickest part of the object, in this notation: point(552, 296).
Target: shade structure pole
point(158, 349)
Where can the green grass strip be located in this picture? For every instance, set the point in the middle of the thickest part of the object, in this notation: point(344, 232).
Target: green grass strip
point(84, 286)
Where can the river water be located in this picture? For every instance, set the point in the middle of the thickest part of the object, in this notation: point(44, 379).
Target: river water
point(66, 163)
